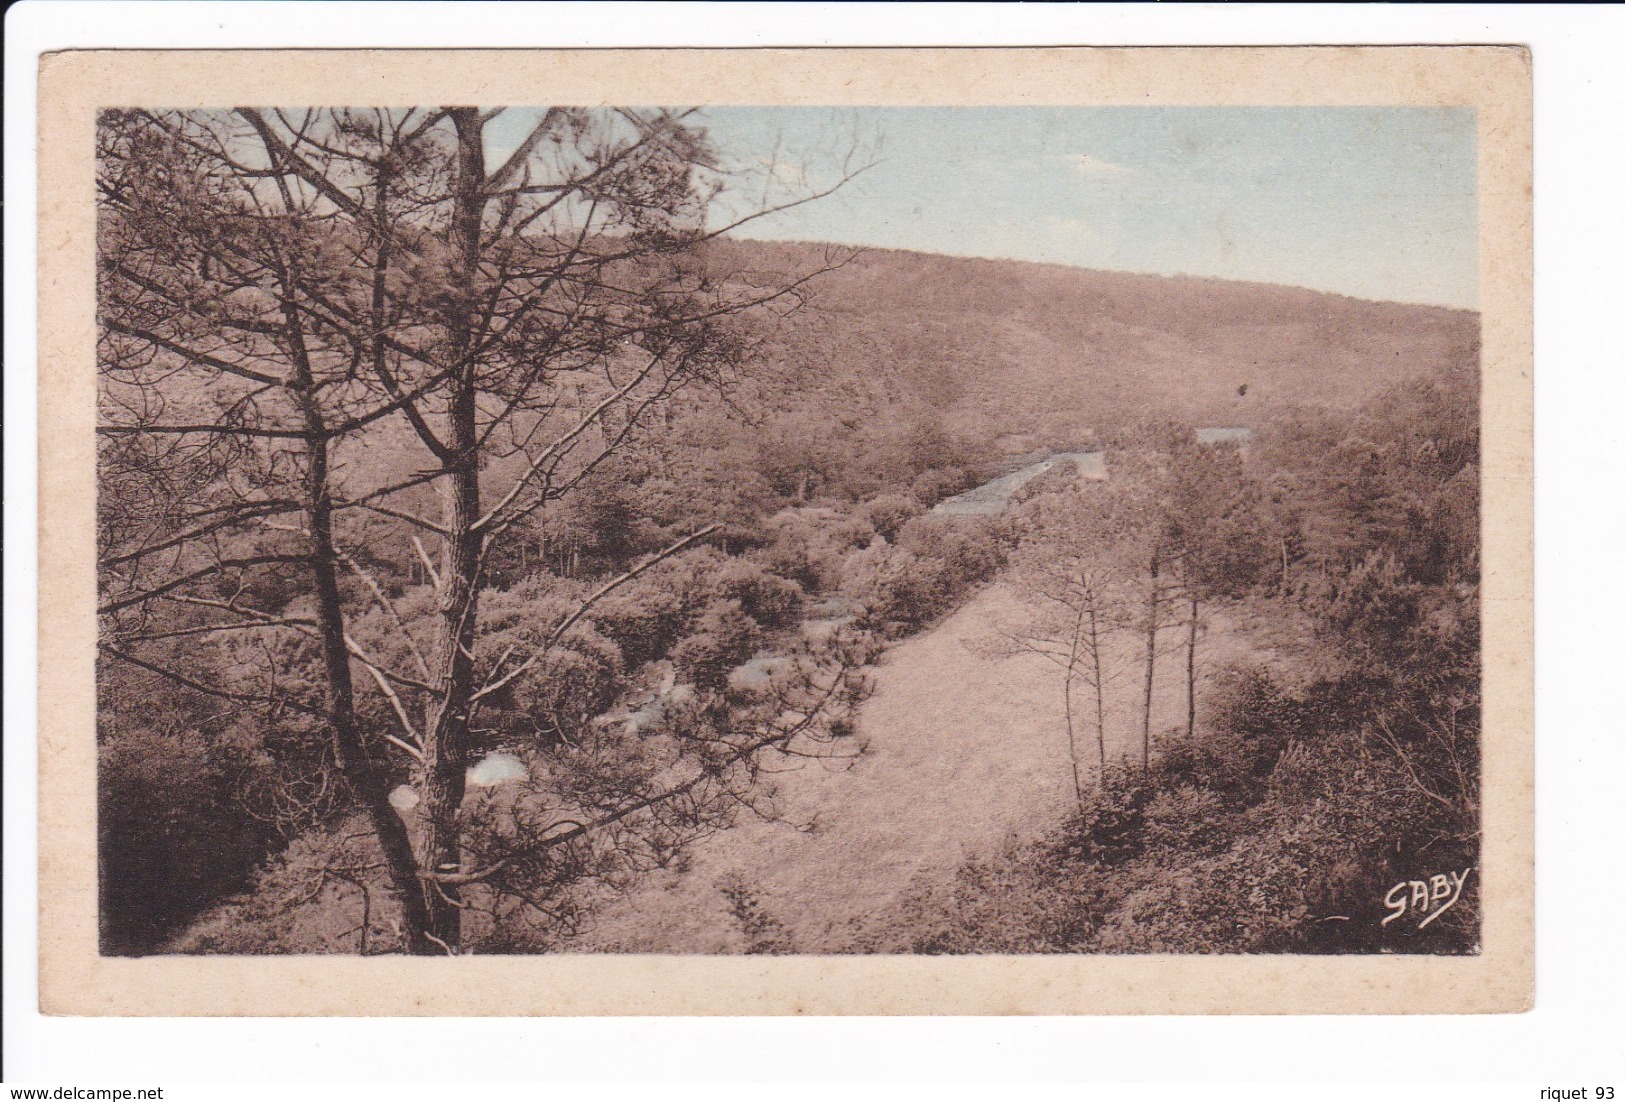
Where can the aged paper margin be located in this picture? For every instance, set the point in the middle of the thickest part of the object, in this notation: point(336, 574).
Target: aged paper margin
point(75, 979)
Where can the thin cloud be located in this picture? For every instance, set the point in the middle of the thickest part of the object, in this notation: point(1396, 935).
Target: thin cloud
point(1075, 231)
point(1085, 165)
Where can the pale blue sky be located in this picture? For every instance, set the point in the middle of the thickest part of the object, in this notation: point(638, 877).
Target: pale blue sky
point(1374, 202)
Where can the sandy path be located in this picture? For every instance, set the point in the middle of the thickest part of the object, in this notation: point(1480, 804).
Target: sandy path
point(962, 749)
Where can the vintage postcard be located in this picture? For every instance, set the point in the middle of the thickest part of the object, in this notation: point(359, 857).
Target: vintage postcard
point(786, 532)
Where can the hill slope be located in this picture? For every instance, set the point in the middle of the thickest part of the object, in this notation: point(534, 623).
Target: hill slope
point(1008, 348)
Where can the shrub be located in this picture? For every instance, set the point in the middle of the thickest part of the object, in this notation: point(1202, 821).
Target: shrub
point(295, 906)
point(934, 563)
point(575, 680)
point(969, 548)
point(1107, 829)
point(643, 617)
point(931, 486)
point(1188, 818)
point(1250, 721)
point(765, 597)
point(994, 905)
point(809, 546)
point(898, 590)
point(791, 555)
point(889, 512)
point(721, 638)
point(689, 577)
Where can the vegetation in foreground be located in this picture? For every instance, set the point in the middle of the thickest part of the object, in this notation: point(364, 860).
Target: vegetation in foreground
point(1282, 819)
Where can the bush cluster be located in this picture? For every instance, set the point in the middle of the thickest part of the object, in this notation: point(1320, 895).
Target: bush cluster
point(934, 563)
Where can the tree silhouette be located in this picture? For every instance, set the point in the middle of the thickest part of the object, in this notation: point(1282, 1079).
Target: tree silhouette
point(1076, 587)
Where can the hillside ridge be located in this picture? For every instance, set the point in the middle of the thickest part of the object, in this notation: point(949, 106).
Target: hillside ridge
point(1002, 348)
point(1078, 269)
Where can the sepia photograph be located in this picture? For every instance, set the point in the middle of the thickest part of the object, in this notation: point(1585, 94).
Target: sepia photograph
point(540, 529)
point(631, 533)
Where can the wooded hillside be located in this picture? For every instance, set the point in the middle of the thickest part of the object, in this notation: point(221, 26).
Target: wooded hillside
point(1008, 350)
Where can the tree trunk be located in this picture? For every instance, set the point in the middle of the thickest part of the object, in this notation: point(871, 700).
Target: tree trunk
point(1150, 666)
point(1190, 674)
point(359, 769)
point(445, 739)
point(350, 753)
point(1100, 690)
point(1071, 728)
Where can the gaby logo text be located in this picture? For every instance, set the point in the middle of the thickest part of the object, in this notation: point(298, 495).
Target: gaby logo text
point(1426, 899)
